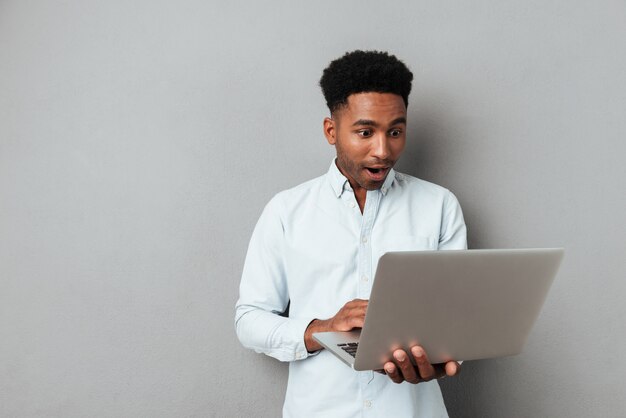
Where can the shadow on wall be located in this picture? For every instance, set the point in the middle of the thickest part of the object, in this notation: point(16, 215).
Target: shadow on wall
point(425, 137)
point(438, 150)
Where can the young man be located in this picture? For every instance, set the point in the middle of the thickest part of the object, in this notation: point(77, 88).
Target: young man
point(317, 246)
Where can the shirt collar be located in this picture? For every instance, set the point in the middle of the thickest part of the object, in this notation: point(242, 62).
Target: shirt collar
point(339, 182)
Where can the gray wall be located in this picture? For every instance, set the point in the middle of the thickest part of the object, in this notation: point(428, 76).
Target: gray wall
point(139, 143)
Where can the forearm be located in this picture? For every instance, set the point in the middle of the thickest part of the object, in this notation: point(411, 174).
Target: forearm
point(268, 333)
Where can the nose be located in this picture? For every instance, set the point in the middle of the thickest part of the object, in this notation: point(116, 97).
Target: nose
point(380, 147)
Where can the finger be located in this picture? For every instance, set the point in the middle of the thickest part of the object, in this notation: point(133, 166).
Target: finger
point(358, 303)
point(357, 322)
point(392, 371)
point(407, 369)
point(356, 317)
point(348, 317)
point(452, 368)
point(352, 309)
point(357, 310)
point(426, 370)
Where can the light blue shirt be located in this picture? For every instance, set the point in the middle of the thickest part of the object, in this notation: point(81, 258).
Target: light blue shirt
point(313, 247)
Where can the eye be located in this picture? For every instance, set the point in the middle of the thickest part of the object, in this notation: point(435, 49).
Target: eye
point(395, 133)
point(365, 133)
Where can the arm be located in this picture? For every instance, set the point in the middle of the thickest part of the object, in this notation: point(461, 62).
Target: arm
point(263, 294)
point(453, 233)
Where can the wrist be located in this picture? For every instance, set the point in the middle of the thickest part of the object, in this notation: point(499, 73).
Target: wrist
point(317, 325)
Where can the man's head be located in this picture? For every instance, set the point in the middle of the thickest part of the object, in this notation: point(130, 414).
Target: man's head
point(367, 94)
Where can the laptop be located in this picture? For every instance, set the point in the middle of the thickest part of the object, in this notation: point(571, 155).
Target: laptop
point(457, 304)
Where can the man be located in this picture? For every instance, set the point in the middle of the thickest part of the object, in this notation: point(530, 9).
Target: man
point(316, 246)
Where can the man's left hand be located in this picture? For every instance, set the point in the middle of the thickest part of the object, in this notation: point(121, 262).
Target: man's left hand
point(401, 369)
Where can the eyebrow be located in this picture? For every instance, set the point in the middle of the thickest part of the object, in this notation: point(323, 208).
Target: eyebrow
point(367, 122)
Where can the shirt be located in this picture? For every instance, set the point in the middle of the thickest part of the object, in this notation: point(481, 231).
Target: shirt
point(313, 248)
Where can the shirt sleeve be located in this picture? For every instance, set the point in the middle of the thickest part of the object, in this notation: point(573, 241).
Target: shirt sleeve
point(453, 235)
point(264, 295)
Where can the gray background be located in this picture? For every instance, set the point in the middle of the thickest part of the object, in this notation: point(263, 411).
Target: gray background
point(140, 141)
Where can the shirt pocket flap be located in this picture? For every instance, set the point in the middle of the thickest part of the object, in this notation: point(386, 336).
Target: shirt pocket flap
point(411, 243)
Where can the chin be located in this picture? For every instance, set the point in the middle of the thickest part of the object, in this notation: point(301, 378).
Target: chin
point(367, 185)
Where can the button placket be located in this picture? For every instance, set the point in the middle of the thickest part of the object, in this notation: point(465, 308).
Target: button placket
point(365, 248)
point(364, 274)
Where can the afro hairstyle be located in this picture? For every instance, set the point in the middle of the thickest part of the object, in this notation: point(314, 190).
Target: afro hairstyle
point(362, 72)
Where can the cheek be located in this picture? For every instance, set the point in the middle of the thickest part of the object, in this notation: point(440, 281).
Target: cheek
point(398, 147)
point(355, 150)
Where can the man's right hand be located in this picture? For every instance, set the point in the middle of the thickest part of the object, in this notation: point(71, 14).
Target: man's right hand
point(350, 316)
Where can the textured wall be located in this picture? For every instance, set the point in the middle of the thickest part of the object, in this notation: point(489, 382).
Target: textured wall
point(139, 143)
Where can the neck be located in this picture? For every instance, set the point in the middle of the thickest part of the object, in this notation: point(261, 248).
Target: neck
point(360, 194)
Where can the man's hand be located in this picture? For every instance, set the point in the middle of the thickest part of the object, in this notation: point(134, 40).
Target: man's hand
point(401, 369)
point(350, 316)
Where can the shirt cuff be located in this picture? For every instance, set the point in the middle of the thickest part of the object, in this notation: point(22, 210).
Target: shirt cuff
point(299, 328)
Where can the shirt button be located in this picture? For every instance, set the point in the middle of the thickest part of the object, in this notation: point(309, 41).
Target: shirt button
point(384, 190)
point(367, 403)
point(298, 355)
point(352, 204)
point(364, 239)
point(364, 278)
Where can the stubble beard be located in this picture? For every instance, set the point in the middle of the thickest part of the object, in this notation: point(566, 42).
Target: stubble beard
point(355, 172)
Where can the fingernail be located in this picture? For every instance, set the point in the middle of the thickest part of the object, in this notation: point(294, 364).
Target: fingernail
point(456, 369)
point(417, 352)
point(389, 369)
point(399, 356)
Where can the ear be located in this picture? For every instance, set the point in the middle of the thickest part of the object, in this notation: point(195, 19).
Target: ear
point(330, 131)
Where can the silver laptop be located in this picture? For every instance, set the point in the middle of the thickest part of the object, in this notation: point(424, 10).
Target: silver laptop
point(458, 305)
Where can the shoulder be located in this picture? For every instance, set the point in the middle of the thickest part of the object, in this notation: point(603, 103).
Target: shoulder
point(302, 189)
point(286, 200)
point(424, 193)
point(414, 185)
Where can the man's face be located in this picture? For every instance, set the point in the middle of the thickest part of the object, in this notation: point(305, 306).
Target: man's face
point(369, 134)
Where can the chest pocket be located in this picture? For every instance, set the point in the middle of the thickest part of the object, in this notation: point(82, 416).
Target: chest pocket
point(410, 243)
point(404, 243)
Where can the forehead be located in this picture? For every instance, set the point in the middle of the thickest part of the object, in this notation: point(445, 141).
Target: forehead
point(379, 107)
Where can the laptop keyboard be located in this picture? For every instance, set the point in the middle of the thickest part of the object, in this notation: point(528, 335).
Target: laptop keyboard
point(349, 348)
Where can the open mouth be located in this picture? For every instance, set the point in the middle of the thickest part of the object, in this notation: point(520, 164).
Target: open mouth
point(377, 173)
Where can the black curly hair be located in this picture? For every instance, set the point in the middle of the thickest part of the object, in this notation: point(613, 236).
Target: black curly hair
point(364, 71)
